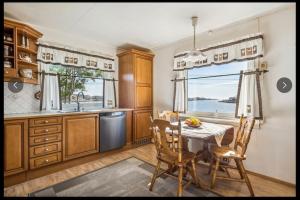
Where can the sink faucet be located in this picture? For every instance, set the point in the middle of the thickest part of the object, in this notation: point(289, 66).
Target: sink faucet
point(78, 104)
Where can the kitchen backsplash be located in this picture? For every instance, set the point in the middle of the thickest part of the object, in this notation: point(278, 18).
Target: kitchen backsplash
point(21, 102)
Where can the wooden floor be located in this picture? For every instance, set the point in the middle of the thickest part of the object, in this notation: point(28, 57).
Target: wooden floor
point(261, 186)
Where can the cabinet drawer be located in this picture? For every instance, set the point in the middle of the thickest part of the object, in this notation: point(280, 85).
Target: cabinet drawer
point(45, 121)
point(45, 160)
point(44, 149)
point(45, 130)
point(45, 139)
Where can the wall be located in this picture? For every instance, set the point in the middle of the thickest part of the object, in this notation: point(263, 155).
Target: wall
point(271, 150)
point(24, 101)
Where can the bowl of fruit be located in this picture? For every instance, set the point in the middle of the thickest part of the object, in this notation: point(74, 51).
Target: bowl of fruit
point(193, 122)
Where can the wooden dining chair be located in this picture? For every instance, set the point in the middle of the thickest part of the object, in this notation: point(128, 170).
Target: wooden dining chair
point(237, 154)
point(170, 116)
point(180, 159)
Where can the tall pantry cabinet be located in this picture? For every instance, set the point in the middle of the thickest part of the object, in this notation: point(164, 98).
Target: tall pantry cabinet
point(136, 91)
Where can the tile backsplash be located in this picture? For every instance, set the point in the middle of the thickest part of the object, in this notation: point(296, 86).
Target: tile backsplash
point(21, 102)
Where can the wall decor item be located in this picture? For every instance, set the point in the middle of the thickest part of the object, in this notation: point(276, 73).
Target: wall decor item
point(7, 63)
point(37, 95)
point(248, 47)
point(25, 57)
point(9, 38)
point(23, 41)
point(26, 73)
point(27, 42)
point(7, 50)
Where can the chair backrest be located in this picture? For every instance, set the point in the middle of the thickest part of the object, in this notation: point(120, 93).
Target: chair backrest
point(160, 139)
point(243, 134)
point(169, 115)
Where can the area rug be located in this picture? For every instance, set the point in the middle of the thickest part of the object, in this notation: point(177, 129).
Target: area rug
point(129, 177)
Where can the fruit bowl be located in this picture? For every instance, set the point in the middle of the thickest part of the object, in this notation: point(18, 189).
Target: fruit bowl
point(193, 122)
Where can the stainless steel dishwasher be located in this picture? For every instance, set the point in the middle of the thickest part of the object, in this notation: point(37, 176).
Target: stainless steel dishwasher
point(112, 130)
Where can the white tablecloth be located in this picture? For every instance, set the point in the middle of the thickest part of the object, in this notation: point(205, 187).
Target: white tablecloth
point(206, 130)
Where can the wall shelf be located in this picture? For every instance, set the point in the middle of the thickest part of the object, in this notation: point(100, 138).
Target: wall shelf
point(18, 31)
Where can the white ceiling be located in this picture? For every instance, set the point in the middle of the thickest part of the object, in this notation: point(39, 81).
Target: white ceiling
point(149, 25)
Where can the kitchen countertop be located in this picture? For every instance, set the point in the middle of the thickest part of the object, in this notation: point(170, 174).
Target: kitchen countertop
point(57, 113)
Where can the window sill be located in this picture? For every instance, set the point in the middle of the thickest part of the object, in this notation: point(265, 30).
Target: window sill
point(225, 121)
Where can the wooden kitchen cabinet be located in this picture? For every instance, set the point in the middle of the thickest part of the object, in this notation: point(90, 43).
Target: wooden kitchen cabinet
point(141, 131)
point(80, 135)
point(16, 31)
point(136, 90)
point(15, 146)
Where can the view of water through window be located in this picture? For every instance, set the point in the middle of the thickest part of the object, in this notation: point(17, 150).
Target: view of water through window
point(214, 94)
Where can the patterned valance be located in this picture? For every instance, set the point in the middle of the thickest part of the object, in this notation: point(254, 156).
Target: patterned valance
point(245, 48)
point(65, 56)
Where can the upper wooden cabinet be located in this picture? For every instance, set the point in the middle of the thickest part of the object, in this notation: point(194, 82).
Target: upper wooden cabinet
point(20, 51)
point(15, 146)
point(135, 79)
point(80, 135)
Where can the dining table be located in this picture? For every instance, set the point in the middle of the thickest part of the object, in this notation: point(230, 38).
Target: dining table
point(209, 133)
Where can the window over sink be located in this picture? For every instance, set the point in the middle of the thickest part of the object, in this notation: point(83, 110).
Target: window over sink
point(214, 96)
point(78, 80)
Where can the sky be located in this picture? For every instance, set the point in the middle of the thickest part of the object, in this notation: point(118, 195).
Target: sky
point(215, 87)
point(94, 88)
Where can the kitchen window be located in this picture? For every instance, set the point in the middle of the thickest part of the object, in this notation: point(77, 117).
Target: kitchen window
point(77, 80)
point(214, 96)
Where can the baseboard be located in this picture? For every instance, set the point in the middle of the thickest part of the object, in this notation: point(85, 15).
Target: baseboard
point(272, 179)
point(260, 175)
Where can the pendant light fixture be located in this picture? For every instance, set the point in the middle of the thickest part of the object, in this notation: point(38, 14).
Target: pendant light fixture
point(194, 54)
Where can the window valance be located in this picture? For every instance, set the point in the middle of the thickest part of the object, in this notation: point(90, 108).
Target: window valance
point(53, 54)
point(245, 48)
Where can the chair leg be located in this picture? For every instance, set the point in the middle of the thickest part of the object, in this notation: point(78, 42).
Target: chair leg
point(246, 177)
point(180, 173)
point(239, 168)
point(154, 175)
point(194, 175)
point(214, 173)
point(210, 165)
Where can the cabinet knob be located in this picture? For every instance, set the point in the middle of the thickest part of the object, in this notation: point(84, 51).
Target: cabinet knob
point(46, 149)
point(46, 130)
point(46, 161)
point(46, 139)
point(46, 121)
point(6, 72)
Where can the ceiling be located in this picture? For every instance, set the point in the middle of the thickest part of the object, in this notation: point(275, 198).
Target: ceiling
point(149, 25)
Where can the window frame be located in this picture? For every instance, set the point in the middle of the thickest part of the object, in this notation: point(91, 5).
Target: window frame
point(216, 115)
point(73, 103)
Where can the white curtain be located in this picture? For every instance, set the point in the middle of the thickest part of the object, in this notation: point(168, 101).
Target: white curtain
point(50, 91)
point(179, 103)
point(248, 100)
point(109, 93)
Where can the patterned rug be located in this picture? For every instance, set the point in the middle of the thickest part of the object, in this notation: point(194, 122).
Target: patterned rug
point(128, 177)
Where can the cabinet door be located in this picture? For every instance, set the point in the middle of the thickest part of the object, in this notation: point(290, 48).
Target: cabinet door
point(80, 135)
point(143, 73)
point(15, 146)
point(143, 69)
point(142, 125)
point(143, 97)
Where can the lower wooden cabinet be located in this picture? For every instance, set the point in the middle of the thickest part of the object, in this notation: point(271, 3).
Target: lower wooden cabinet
point(141, 132)
point(80, 135)
point(15, 146)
